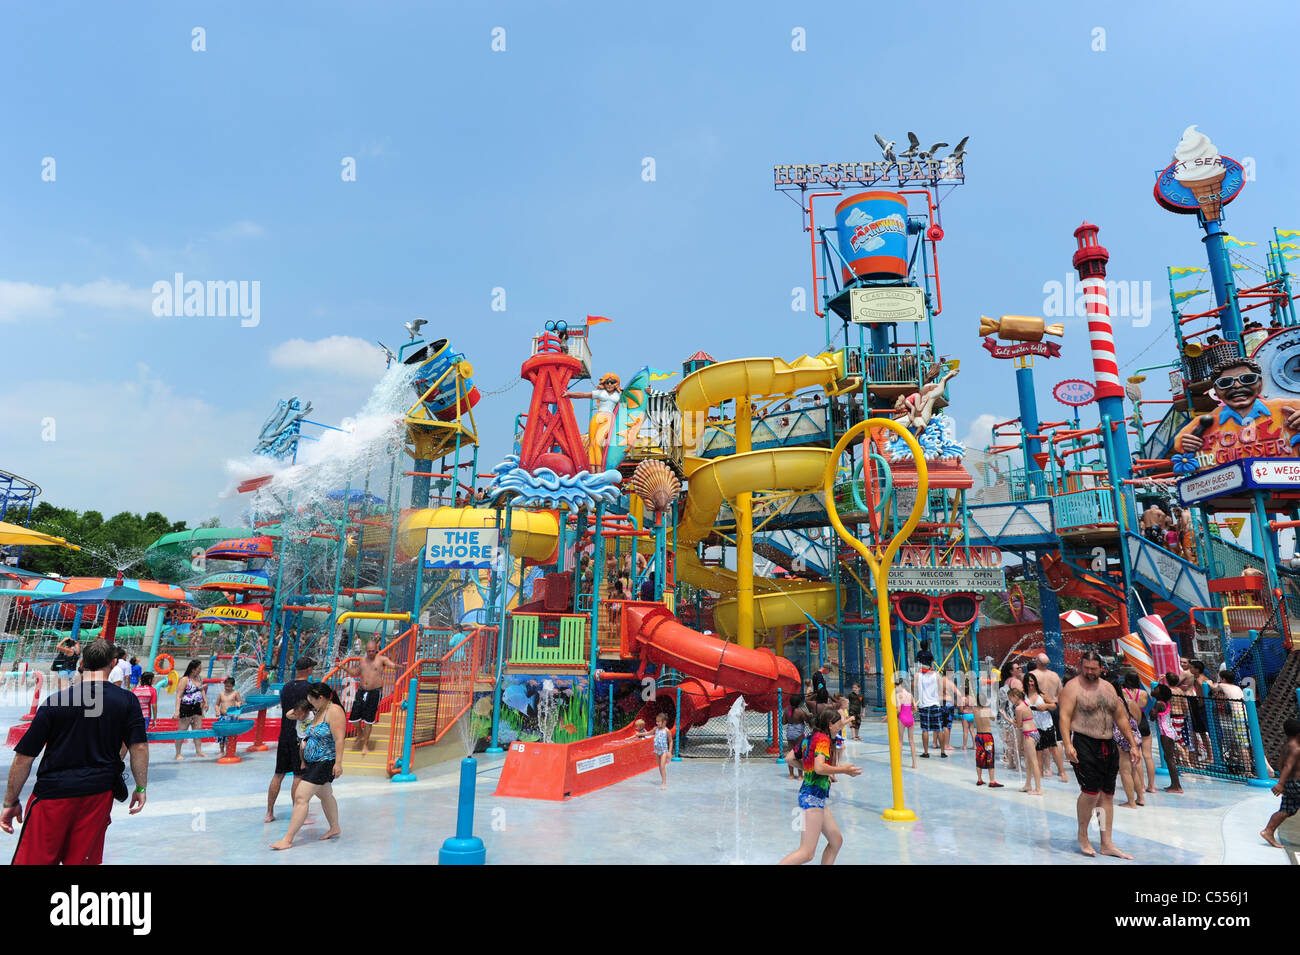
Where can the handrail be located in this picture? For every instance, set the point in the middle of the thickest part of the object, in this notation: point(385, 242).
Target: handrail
point(396, 640)
point(399, 745)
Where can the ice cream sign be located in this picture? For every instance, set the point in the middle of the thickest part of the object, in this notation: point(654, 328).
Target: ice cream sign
point(869, 234)
point(1199, 179)
point(447, 548)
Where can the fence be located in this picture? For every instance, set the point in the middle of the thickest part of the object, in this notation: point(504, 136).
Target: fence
point(1217, 737)
point(710, 740)
point(1085, 508)
point(443, 690)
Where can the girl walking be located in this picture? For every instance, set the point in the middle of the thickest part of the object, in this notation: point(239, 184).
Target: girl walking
point(191, 702)
point(322, 763)
point(905, 706)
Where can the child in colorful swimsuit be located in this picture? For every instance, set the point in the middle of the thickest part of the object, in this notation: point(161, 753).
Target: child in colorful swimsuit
point(984, 748)
point(817, 818)
point(663, 747)
point(1028, 742)
point(906, 718)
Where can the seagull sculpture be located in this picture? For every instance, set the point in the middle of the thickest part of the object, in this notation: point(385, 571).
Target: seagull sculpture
point(415, 326)
point(388, 352)
point(929, 154)
point(913, 146)
point(887, 148)
point(960, 151)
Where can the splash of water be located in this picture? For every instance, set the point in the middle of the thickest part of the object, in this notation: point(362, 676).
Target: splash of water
point(738, 747)
point(548, 714)
point(121, 559)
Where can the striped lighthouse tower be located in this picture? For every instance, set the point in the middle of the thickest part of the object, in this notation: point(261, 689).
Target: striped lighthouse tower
point(1090, 262)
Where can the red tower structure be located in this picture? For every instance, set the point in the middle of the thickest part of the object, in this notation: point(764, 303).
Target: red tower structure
point(551, 437)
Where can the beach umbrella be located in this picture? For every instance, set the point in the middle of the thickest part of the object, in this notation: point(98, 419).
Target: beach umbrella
point(114, 597)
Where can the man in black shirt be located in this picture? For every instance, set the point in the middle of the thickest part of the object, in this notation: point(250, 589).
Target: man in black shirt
point(82, 731)
point(287, 757)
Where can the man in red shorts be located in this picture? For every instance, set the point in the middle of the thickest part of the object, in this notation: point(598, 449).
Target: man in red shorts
point(1091, 711)
point(82, 731)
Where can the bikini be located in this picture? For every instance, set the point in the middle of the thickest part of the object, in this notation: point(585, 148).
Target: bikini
point(1143, 727)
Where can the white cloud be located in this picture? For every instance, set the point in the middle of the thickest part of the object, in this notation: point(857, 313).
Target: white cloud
point(133, 444)
point(22, 300)
point(980, 435)
point(341, 355)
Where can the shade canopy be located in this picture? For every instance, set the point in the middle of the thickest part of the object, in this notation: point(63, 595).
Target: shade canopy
point(1077, 618)
point(15, 535)
point(117, 593)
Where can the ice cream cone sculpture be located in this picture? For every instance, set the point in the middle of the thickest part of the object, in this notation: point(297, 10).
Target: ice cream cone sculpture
point(1201, 171)
point(1019, 328)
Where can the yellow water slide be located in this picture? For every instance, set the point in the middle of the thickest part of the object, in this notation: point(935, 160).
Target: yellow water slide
point(758, 604)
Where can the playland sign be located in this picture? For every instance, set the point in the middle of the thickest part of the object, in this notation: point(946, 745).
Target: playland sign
point(871, 306)
point(868, 173)
point(460, 548)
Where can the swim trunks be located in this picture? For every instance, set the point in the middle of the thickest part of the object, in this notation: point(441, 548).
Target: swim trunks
point(365, 708)
point(984, 751)
point(1098, 764)
point(1291, 797)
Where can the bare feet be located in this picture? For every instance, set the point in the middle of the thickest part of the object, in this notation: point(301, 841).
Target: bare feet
point(332, 834)
point(1112, 851)
point(282, 844)
point(370, 746)
point(1173, 789)
point(1086, 847)
point(1128, 805)
point(1270, 839)
point(1064, 778)
point(1024, 789)
point(270, 817)
point(179, 756)
point(1151, 789)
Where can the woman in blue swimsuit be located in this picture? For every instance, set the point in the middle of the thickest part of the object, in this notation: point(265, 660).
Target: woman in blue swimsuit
point(322, 763)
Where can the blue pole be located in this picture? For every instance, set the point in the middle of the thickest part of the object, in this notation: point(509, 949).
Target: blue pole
point(504, 573)
point(780, 726)
point(677, 729)
point(1029, 424)
point(1225, 293)
point(611, 709)
point(409, 704)
point(465, 848)
point(1261, 778)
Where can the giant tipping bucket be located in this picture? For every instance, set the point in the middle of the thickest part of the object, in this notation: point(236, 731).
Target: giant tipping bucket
point(438, 369)
point(872, 230)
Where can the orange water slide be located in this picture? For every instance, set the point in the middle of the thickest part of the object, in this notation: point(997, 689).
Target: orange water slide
point(716, 671)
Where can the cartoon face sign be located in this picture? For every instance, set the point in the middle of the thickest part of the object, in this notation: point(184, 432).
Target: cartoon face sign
point(1245, 425)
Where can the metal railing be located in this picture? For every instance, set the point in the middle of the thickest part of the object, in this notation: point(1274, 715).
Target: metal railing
point(433, 693)
point(895, 369)
point(1086, 508)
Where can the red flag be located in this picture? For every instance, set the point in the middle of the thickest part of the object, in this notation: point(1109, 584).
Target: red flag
point(597, 319)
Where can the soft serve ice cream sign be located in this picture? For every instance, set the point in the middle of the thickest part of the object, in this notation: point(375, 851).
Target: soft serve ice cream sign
point(869, 234)
point(1199, 179)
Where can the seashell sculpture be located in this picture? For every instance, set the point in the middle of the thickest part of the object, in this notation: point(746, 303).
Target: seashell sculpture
point(656, 483)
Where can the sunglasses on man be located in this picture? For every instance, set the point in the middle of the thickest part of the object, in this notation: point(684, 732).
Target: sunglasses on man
point(1248, 380)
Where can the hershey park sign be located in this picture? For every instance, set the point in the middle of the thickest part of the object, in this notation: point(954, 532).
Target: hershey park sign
point(866, 174)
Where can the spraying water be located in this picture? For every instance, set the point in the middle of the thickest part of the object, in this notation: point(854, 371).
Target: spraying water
point(738, 747)
point(548, 715)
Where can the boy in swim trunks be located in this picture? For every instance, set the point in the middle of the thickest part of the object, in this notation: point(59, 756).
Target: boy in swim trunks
point(1288, 783)
point(984, 749)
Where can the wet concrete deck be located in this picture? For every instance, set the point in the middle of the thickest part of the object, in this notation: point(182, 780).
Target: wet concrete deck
point(200, 812)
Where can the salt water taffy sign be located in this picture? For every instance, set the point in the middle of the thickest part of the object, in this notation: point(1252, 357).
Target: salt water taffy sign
point(460, 548)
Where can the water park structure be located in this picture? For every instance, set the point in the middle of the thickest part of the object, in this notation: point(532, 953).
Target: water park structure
point(651, 549)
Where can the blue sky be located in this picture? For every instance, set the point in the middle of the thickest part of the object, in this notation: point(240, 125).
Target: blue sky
point(522, 170)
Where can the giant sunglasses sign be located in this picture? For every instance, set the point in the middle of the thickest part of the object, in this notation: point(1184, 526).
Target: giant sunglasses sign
point(948, 579)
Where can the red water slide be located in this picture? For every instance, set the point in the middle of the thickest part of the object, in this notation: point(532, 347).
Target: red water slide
point(717, 672)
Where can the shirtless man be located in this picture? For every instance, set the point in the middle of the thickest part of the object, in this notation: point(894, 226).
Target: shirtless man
point(1090, 711)
point(369, 671)
point(948, 701)
point(1049, 684)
